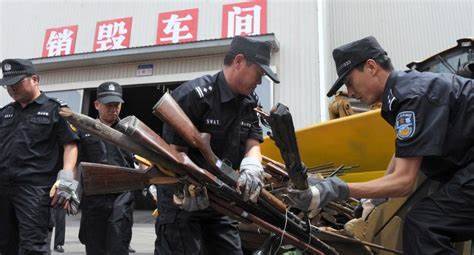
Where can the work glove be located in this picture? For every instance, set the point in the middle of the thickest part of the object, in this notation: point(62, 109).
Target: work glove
point(153, 192)
point(195, 198)
point(318, 194)
point(64, 192)
point(250, 181)
point(368, 205)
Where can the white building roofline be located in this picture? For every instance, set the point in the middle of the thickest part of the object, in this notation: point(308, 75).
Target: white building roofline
point(143, 53)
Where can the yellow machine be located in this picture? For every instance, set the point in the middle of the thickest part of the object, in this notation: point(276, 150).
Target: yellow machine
point(364, 139)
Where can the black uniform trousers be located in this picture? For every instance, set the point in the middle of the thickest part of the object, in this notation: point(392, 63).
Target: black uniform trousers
point(443, 217)
point(59, 216)
point(105, 223)
point(202, 232)
point(24, 219)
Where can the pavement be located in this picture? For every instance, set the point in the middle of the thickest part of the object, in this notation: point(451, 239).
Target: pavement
point(143, 234)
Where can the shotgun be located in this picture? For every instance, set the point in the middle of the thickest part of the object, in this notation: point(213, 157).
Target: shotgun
point(283, 133)
point(137, 130)
point(168, 110)
point(107, 179)
point(115, 137)
point(183, 166)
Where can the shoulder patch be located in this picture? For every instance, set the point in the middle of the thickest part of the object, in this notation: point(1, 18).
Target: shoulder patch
point(6, 106)
point(203, 90)
point(405, 124)
point(255, 96)
point(59, 101)
point(390, 99)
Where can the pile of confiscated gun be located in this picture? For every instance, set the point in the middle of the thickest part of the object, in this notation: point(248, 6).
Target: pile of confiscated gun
point(286, 227)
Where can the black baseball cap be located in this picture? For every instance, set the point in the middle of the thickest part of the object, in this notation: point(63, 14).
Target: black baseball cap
point(109, 92)
point(256, 51)
point(348, 56)
point(15, 70)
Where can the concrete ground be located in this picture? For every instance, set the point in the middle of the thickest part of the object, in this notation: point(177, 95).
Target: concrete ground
point(143, 238)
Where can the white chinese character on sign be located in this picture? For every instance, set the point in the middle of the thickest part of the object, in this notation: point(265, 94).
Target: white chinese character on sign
point(111, 36)
point(244, 21)
point(59, 42)
point(173, 27)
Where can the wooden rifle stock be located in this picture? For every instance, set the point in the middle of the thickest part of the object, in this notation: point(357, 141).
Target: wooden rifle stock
point(116, 137)
point(180, 164)
point(107, 179)
point(168, 110)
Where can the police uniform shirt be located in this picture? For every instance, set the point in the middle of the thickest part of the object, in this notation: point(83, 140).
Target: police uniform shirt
point(30, 140)
point(432, 115)
point(93, 149)
point(215, 109)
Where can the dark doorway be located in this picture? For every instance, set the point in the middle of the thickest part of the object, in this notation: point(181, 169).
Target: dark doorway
point(139, 101)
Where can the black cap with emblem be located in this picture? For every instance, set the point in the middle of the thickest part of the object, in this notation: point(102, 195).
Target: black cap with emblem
point(348, 56)
point(109, 92)
point(256, 51)
point(15, 70)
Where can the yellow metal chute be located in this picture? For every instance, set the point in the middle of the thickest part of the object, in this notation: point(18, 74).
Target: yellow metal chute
point(363, 139)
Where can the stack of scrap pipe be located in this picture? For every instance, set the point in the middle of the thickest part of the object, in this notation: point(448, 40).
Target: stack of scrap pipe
point(269, 214)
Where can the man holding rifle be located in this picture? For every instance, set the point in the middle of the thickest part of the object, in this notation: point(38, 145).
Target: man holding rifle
point(106, 220)
point(432, 117)
point(32, 137)
point(221, 105)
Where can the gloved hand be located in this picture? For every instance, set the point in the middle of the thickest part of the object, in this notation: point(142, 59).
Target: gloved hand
point(63, 192)
point(195, 198)
point(153, 192)
point(250, 181)
point(368, 205)
point(318, 194)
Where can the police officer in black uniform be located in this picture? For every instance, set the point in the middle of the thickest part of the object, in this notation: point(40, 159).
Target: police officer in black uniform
point(106, 220)
point(222, 105)
point(32, 134)
point(432, 115)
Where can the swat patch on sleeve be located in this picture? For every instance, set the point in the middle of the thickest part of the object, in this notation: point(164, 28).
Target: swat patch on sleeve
point(405, 125)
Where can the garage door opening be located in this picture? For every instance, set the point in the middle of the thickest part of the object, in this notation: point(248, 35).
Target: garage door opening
point(139, 101)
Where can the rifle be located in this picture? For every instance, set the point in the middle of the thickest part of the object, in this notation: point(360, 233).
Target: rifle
point(183, 166)
point(96, 178)
point(283, 133)
point(168, 110)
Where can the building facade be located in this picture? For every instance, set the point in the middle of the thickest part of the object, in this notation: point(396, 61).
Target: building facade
point(152, 46)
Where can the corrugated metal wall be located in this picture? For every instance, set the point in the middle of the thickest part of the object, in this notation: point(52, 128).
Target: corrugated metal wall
point(92, 76)
point(409, 30)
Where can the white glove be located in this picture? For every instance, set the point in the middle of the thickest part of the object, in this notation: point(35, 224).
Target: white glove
point(318, 194)
point(63, 192)
point(250, 181)
point(368, 205)
point(153, 192)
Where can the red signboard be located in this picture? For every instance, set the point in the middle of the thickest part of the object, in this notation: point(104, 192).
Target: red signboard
point(247, 18)
point(113, 34)
point(177, 26)
point(60, 41)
